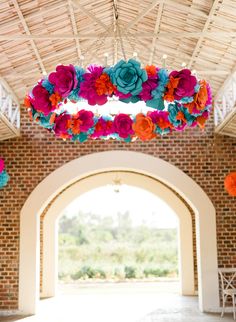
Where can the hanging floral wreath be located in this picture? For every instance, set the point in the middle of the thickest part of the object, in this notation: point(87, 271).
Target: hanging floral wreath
point(4, 177)
point(178, 100)
point(230, 184)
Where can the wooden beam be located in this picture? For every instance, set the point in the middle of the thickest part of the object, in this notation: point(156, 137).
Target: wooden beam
point(204, 32)
point(140, 35)
point(77, 4)
point(75, 31)
point(26, 28)
point(142, 14)
point(156, 31)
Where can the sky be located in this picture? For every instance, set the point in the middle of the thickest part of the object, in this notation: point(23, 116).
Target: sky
point(143, 206)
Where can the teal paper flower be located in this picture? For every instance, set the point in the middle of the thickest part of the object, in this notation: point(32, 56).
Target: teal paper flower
point(128, 77)
point(4, 177)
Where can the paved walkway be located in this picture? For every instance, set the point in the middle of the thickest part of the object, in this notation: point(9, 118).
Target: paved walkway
point(122, 302)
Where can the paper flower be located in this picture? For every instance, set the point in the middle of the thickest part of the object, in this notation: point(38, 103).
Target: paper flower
point(143, 127)
point(123, 125)
point(2, 165)
point(41, 100)
point(64, 80)
point(128, 77)
point(230, 184)
point(182, 84)
point(199, 100)
point(150, 84)
point(4, 177)
point(61, 125)
point(88, 88)
point(103, 128)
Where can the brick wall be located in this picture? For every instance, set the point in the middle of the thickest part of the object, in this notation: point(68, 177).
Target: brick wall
point(31, 157)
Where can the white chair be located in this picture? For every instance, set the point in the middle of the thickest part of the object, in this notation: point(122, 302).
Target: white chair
point(228, 287)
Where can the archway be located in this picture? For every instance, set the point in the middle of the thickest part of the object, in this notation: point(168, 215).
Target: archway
point(133, 179)
point(140, 163)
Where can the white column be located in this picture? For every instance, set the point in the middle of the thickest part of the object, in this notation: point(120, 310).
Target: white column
point(29, 263)
point(50, 257)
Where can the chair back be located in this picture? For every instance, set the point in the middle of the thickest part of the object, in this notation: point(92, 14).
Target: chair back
point(228, 278)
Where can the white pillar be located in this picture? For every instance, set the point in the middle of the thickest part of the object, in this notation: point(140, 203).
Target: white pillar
point(186, 261)
point(29, 263)
point(50, 257)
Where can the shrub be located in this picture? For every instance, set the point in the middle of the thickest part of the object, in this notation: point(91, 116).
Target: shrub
point(130, 272)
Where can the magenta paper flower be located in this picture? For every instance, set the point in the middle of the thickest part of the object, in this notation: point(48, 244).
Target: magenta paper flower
point(150, 84)
point(123, 125)
point(86, 117)
point(88, 89)
point(61, 125)
point(41, 101)
point(209, 95)
point(148, 87)
point(64, 80)
point(186, 84)
point(1, 165)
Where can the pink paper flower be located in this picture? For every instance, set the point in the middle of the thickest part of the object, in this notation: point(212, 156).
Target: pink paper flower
point(88, 89)
point(61, 125)
point(1, 165)
point(186, 83)
point(123, 125)
point(41, 101)
point(64, 80)
point(86, 118)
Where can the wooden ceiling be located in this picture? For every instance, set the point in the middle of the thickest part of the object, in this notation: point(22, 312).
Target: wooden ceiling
point(36, 35)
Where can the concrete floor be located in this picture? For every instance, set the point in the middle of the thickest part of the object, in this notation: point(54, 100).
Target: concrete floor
point(122, 302)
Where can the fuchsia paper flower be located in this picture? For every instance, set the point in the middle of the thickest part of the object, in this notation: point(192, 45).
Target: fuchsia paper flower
point(88, 88)
point(186, 83)
point(61, 125)
point(86, 118)
point(2, 166)
point(123, 125)
point(64, 80)
point(41, 101)
point(160, 118)
point(150, 84)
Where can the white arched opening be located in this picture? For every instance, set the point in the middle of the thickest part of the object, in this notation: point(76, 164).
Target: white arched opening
point(186, 265)
point(140, 163)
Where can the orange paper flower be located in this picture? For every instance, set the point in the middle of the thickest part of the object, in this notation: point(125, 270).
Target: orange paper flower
point(151, 70)
point(104, 85)
point(201, 121)
point(200, 98)
point(180, 116)
point(74, 124)
point(230, 184)
point(144, 127)
point(173, 83)
point(27, 101)
point(55, 99)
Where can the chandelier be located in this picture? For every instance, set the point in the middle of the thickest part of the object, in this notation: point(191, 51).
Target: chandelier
point(66, 101)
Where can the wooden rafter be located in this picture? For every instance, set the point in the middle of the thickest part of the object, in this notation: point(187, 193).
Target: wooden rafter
point(142, 14)
point(75, 31)
point(156, 31)
point(26, 28)
point(204, 31)
point(77, 4)
point(110, 34)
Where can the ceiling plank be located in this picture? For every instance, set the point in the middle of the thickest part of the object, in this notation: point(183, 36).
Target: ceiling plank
point(26, 28)
point(212, 12)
